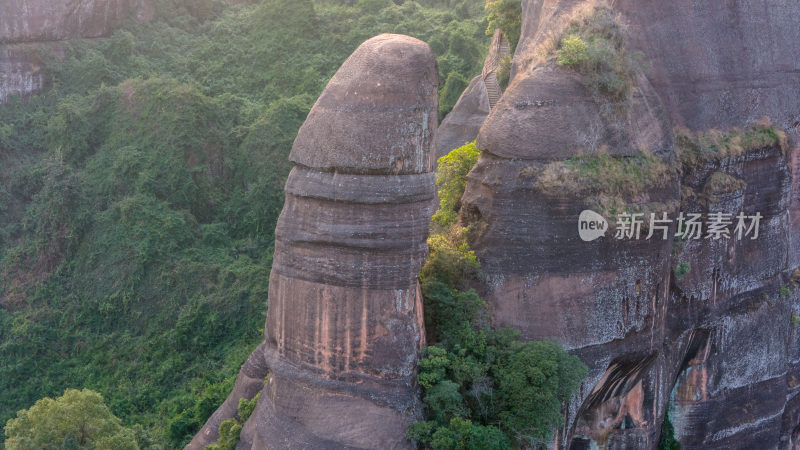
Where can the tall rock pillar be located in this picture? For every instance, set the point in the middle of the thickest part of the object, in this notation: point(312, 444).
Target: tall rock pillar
point(344, 325)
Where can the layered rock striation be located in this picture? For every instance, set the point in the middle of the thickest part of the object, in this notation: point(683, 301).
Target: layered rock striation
point(703, 329)
point(344, 326)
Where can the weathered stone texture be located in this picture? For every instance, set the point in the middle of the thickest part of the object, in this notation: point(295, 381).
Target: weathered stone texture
point(49, 21)
point(56, 20)
point(376, 115)
point(19, 73)
point(716, 344)
point(344, 325)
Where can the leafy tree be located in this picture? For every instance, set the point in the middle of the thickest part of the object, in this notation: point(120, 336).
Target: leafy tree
point(454, 86)
point(573, 51)
point(229, 431)
point(482, 387)
point(451, 180)
point(77, 419)
point(246, 407)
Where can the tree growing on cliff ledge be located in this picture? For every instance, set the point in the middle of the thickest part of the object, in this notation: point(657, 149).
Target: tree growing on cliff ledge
point(482, 388)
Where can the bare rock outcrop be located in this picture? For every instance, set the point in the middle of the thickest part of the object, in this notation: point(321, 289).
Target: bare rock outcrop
point(706, 329)
point(344, 326)
point(57, 20)
point(20, 74)
point(46, 22)
point(462, 124)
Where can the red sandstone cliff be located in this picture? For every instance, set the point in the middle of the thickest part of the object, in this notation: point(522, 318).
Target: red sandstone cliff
point(701, 328)
point(344, 325)
point(717, 344)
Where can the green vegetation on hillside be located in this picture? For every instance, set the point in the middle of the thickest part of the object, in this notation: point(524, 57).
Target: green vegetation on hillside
point(139, 194)
point(77, 419)
point(482, 387)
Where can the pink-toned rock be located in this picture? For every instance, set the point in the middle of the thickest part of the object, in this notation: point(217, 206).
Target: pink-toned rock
point(376, 114)
point(717, 343)
point(344, 326)
point(56, 20)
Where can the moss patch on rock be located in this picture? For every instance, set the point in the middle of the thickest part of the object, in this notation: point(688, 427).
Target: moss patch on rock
point(696, 148)
point(603, 174)
point(608, 184)
point(721, 183)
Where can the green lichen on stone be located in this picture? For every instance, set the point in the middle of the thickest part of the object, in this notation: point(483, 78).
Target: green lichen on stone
point(696, 148)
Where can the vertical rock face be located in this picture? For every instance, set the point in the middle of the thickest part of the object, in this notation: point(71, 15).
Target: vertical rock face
point(713, 342)
point(463, 123)
point(49, 21)
point(344, 325)
point(737, 374)
point(19, 73)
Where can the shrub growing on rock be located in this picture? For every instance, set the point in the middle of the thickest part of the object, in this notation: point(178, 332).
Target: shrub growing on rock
point(594, 45)
point(482, 388)
point(451, 180)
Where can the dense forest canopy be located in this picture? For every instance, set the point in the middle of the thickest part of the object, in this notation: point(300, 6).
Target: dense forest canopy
point(139, 194)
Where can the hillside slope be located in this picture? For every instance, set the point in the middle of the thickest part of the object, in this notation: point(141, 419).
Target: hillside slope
point(140, 190)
